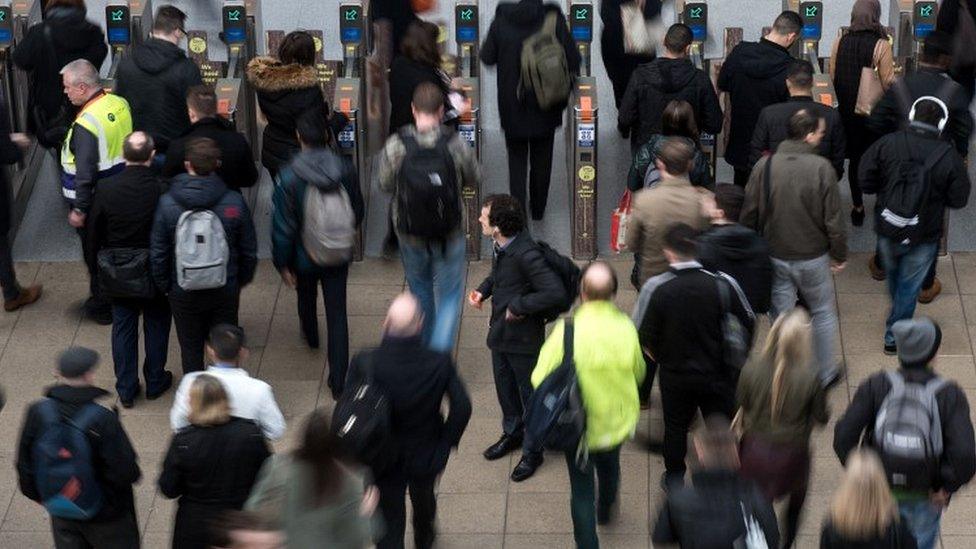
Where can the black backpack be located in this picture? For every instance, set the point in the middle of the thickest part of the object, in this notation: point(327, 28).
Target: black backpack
point(568, 273)
point(904, 198)
point(361, 422)
point(555, 418)
point(428, 199)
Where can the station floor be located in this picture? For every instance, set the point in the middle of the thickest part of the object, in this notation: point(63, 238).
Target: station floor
point(478, 505)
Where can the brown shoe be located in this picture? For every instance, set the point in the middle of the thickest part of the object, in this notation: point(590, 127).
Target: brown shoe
point(877, 272)
point(26, 297)
point(928, 296)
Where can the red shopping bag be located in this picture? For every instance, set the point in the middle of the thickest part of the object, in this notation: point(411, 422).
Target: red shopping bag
point(618, 223)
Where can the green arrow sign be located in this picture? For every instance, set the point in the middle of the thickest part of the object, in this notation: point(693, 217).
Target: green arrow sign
point(3, 15)
point(582, 13)
point(695, 13)
point(352, 15)
point(234, 15)
point(925, 11)
point(811, 11)
point(467, 14)
point(117, 15)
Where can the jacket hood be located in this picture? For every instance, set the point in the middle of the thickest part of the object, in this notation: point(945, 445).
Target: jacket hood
point(270, 75)
point(526, 13)
point(70, 30)
point(194, 191)
point(765, 59)
point(320, 167)
point(673, 75)
point(735, 241)
point(156, 56)
point(75, 395)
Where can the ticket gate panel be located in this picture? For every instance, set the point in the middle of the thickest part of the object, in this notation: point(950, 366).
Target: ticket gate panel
point(583, 169)
point(198, 49)
point(348, 100)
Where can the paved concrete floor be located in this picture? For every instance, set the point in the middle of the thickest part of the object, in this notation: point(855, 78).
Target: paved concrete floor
point(479, 506)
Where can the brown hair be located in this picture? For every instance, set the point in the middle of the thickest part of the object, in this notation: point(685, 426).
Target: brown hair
point(209, 404)
point(169, 19)
point(203, 155)
point(320, 452)
point(297, 47)
point(80, 4)
point(203, 100)
point(802, 124)
point(678, 38)
point(676, 154)
point(420, 43)
point(678, 118)
point(138, 147)
point(863, 507)
point(717, 444)
point(428, 98)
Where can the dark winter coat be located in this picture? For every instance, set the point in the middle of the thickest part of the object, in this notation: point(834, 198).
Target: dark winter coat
point(10, 153)
point(155, 78)
point(742, 254)
point(211, 470)
point(854, 52)
point(700, 174)
point(237, 168)
point(898, 536)
point(620, 65)
point(415, 381)
point(513, 24)
point(774, 120)
point(73, 37)
point(189, 191)
point(958, 461)
point(405, 76)
point(398, 13)
point(754, 74)
point(324, 169)
point(520, 281)
point(120, 214)
point(656, 84)
point(114, 461)
point(708, 514)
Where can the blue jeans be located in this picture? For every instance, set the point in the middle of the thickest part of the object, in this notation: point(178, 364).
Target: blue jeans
point(923, 521)
point(810, 278)
point(435, 274)
point(125, 344)
point(906, 266)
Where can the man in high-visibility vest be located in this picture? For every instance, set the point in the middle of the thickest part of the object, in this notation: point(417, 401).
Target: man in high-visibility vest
point(92, 150)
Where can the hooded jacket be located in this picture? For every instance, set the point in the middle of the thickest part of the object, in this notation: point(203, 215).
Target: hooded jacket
point(656, 84)
point(522, 118)
point(72, 37)
point(236, 169)
point(754, 75)
point(154, 79)
point(742, 254)
point(114, 461)
point(326, 171)
point(207, 192)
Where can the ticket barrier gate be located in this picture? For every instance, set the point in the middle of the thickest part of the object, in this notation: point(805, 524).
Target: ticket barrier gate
point(127, 24)
point(235, 98)
point(912, 20)
point(582, 138)
point(467, 38)
point(695, 16)
point(811, 13)
point(350, 99)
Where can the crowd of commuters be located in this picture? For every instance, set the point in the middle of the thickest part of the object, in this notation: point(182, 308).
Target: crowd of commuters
point(709, 258)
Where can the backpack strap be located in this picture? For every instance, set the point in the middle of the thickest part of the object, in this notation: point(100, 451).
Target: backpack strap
point(904, 97)
point(48, 410)
point(85, 417)
point(568, 339)
point(767, 191)
point(549, 27)
point(897, 382)
point(934, 385)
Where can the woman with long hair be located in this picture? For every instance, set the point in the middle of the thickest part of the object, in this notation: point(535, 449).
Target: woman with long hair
point(677, 120)
point(312, 496)
point(781, 400)
point(863, 513)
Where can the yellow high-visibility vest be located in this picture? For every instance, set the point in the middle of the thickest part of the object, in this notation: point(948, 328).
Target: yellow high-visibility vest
point(108, 118)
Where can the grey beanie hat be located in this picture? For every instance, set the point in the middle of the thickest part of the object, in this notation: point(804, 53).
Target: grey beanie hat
point(76, 361)
point(917, 339)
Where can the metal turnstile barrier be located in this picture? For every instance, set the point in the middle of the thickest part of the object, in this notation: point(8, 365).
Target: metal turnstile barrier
point(695, 16)
point(127, 24)
point(823, 87)
point(582, 138)
point(466, 35)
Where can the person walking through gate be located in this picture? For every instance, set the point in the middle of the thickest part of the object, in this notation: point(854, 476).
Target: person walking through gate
point(677, 121)
point(619, 64)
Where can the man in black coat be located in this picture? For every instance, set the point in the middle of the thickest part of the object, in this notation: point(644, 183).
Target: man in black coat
point(669, 77)
point(754, 75)
point(619, 64)
point(771, 129)
point(529, 130)
point(415, 381)
point(237, 168)
point(113, 459)
point(155, 77)
point(522, 287)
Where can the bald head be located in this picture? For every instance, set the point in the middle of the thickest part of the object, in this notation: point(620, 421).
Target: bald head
point(138, 149)
point(404, 318)
point(598, 282)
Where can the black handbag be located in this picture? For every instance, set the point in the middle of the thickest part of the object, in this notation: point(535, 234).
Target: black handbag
point(124, 273)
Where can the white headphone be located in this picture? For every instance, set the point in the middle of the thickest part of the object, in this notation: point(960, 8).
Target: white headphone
point(937, 101)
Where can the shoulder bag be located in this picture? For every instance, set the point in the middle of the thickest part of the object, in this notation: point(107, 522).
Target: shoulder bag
point(869, 89)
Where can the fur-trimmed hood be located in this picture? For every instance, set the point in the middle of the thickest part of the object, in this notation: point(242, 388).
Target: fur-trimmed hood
point(270, 75)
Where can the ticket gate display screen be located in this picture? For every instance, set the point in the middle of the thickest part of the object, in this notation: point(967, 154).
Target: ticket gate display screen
point(6, 26)
point(812, 15)
point(351, 24)
point(235, 24)
point(117, 22)
point(581, 22)
point(925, 14)
point(696, 17)
point(466, 23)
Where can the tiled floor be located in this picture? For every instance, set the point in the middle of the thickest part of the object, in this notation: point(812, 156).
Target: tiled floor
point(479, 506)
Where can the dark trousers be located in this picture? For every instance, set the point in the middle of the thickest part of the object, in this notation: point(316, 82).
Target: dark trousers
point(333, 282)
point(853, 179)
point(393, 489)
point(583, 492)
point(741, 177)
point(125, 344)
point(95, 300)
point(194, 314)
point(119, 533)
point(644, 391)
point(513, 385)
point(681, 399)
point(8, 277)
point(780, 471)
point(532, 159)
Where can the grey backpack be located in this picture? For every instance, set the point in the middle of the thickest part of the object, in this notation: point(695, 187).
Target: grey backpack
point(908, 433)
point(202, 253)
point(545, 70)
point(328, 226)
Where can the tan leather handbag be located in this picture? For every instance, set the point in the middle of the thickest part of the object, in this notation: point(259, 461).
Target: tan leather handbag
point(869, 89)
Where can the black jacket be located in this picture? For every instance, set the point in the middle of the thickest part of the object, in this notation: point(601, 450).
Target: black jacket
point(120, 214)
point(958, 460)
point(154, 79)
point(656, 84)
point(891, 113)
point(520, 281)
point(740, 252)
point(898, 536)
point(10, 153)
point(237, 168)
point(415, 380)
point(188, 191)
point(113, 458)
point(754, 74)
point(771, 130)
point(619, 64)
point(398, 13)
point(211, 470)
point(405, 76)
point(708, 515)
point(513, 23)
point(949, 179)
point(73, 37)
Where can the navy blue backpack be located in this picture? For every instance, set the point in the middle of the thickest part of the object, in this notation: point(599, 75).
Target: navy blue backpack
point(63, 461)
point(555, 418)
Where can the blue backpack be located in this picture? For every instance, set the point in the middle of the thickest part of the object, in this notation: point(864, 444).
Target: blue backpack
point(63, 460)
point(555, 418)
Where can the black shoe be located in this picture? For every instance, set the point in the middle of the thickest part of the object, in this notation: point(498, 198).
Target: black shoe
point(526, 468)
point(857, 217)
point(606, 514)
point(127, 404)
point(669, 482)
point(166, 386)
point(832, 379)
point(502, 448)
point(890, 349)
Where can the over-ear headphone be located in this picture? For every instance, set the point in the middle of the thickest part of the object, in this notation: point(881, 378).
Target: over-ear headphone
point(937, 101)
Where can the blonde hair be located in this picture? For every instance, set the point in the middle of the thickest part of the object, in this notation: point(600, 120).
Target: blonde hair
point(209, 404)
point(789, 345)
point(862, 507)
